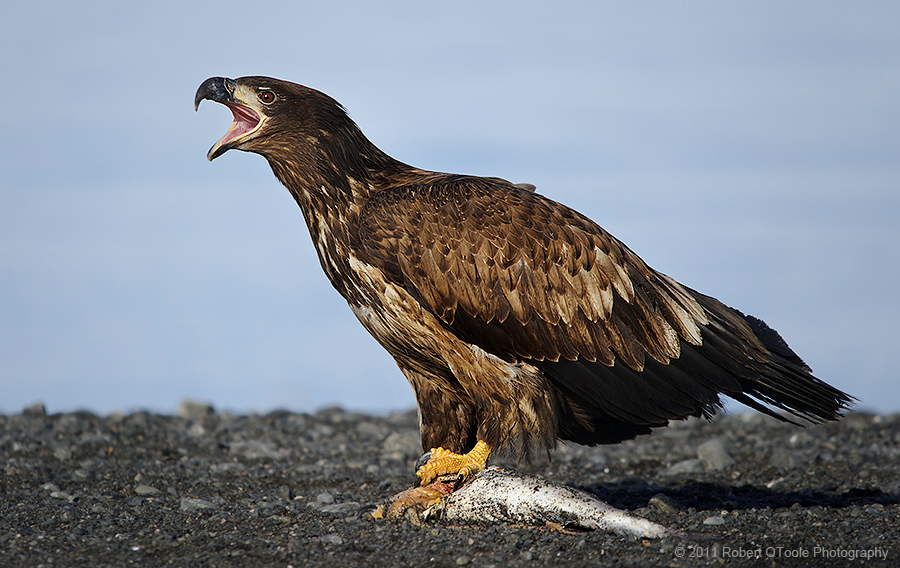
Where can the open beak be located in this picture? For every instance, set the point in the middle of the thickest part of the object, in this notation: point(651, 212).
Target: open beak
point(247, 120)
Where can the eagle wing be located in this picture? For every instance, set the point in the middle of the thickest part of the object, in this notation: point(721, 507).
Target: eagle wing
point(526, 278)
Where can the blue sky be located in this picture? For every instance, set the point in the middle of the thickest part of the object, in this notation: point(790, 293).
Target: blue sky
point(749, 150)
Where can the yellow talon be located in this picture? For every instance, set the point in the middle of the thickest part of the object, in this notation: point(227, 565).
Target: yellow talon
point(444, 462)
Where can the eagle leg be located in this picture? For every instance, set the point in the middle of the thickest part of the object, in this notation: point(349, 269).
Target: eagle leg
point(446, 463)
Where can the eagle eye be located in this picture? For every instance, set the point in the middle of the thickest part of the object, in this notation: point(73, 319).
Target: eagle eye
point(266, 97)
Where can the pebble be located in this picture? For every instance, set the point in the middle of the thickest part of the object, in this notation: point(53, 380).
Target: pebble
point(801, 438)
point(36, 409)
point(331, 539)
point(234, 467)
point(340, 508)
point(714, 521)
point(664, 504)
point(371, 430)
point(634, 482)
point(61, 495)
point(146, 490)
point(257, 449)
point(191, 504)
point(62, 453)
point(785, 460)
point(403, 443)
point(686, 466)
point(324, 498)
point(714, 453)
point(196, 430)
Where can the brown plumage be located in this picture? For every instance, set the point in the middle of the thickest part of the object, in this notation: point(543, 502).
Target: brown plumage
point(516, 320)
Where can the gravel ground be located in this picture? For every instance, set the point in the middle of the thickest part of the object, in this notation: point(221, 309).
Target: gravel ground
point(209, 489)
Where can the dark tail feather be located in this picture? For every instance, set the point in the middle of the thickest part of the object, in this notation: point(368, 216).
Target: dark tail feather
point(789, 384)
point(779, 378)
point(740, 357)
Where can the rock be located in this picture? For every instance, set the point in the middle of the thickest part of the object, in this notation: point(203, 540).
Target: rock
point(714, 521)
point(194, 410)
point(146, 490)
point(715, 455)
point(324, 498)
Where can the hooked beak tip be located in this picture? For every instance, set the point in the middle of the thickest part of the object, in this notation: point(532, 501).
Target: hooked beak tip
point(219, 89)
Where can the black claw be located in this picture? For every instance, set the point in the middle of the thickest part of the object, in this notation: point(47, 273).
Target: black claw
point(423, 459)
point(365, 512)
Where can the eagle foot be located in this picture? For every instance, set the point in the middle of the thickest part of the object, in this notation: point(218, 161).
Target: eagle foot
point(446, 465)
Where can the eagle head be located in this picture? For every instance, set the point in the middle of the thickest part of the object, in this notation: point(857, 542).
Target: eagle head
point(269, 114)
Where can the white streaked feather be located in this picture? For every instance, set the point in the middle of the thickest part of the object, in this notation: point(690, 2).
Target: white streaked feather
point(616, 274)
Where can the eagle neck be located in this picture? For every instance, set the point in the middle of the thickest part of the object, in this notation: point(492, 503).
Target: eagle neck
point(331, 185)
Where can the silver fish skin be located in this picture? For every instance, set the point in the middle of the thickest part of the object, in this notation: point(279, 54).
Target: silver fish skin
point(502, 495)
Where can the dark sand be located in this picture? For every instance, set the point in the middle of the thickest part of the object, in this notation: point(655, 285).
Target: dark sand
point(283, 489)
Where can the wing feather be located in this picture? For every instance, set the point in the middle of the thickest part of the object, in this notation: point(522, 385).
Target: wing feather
point(526, 278)
point(495, 251)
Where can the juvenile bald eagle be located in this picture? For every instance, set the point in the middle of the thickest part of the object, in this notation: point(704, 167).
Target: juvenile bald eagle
point(517, 320)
